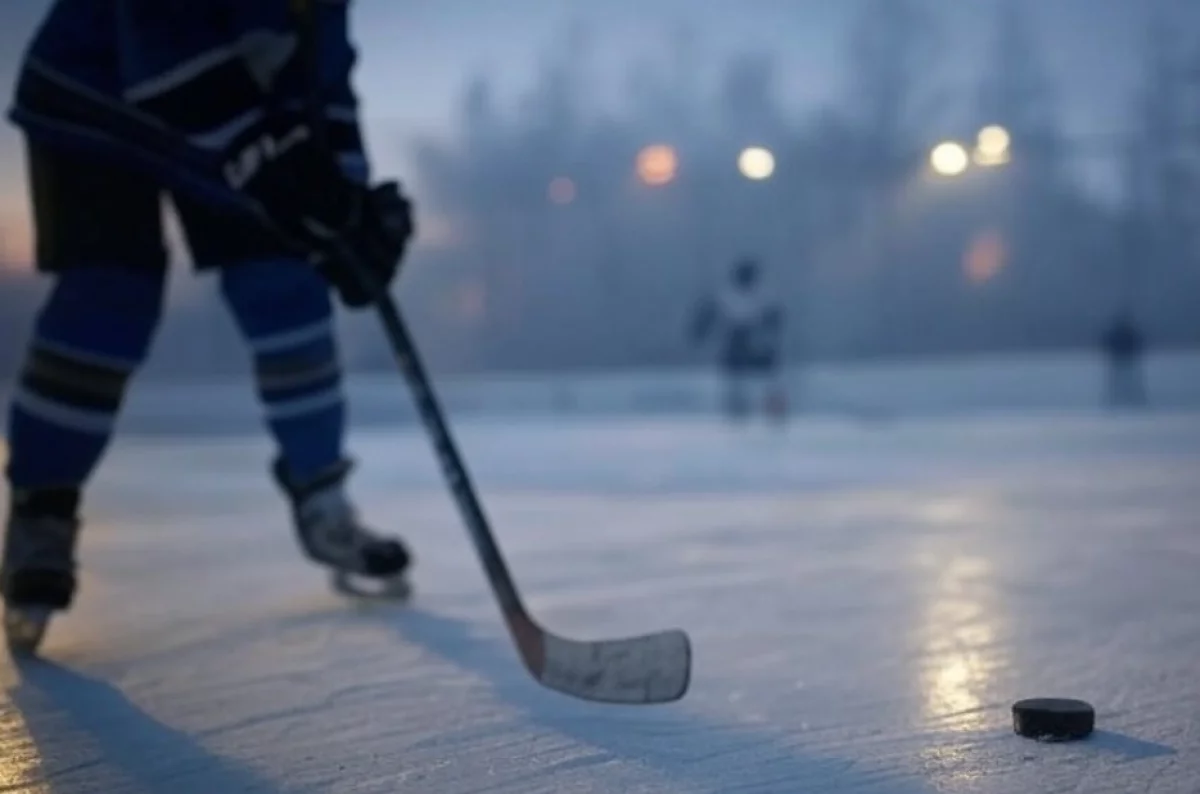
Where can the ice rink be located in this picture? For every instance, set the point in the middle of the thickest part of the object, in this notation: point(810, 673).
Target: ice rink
point(866, 597)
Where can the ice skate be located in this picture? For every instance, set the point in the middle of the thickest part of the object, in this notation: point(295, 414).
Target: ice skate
point(37, 576)
point(363, 563)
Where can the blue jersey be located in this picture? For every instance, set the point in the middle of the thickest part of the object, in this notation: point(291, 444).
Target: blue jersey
point(170, 86)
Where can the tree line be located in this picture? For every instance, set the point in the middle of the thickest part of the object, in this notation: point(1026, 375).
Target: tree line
point(874, 255)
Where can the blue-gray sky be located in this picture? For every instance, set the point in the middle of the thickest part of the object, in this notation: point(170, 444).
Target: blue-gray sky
point(416, 55)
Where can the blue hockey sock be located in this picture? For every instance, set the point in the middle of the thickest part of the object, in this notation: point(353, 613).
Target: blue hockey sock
point(284, 311)
point(91, 335)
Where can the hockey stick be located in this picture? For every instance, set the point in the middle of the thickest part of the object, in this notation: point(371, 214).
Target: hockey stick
point(652, 668)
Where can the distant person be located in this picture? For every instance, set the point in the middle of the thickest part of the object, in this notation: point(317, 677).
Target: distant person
point(748, 326)
point(217, 105)
point(1124, 348)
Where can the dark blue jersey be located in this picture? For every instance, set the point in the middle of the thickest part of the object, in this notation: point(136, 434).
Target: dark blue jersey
point(171, 86)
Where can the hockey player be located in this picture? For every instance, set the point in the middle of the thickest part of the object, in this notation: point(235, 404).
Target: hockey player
point(749, 325)
point(1124, 348)
point(242, 113)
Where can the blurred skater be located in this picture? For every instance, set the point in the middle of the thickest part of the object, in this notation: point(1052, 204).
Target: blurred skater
point(747, 325)
point(1124, 347)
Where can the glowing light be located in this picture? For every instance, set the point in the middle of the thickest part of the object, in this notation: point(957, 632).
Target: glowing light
point(440, 232)
point(756, 163)
point(985, 258)
point(949, 159)
point(561, 190)
point(657, 164)
point(992, 146)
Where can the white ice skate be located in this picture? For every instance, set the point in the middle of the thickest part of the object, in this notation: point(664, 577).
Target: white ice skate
point(363, 564)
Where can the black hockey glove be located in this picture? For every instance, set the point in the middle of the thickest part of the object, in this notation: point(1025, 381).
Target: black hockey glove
point(365, 257)
point(356, 235)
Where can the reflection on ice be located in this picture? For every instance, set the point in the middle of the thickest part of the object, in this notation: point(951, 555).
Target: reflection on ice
point(959, 635)
point(20, 760)
point(955, 511)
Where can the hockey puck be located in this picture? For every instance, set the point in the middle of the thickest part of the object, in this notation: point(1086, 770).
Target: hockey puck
point(1053, 719)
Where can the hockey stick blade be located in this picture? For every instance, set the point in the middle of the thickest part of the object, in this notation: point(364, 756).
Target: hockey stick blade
point(653, 668)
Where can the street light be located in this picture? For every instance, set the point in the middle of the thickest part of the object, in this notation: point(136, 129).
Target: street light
point(992, 146)
point(949, 159)
point(657, 164)
point(756, 163)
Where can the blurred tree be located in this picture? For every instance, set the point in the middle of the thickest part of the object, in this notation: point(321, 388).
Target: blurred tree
point(1016, 93)
point(1162, 173)
point(1036, 210)
point(749, 107)
point(891, 63)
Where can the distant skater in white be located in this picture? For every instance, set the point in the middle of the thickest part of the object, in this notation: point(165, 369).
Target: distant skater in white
point(747, 325)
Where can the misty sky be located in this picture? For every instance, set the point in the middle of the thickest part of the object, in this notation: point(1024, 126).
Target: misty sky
point(416, 56)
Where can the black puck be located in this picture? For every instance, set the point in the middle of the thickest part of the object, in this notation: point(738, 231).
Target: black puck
point(1053, 719)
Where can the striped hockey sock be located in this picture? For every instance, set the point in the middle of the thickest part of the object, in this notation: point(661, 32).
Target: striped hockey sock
point(90, 337)
point(285, 314)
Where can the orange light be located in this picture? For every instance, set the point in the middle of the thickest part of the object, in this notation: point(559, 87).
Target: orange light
point(985, 258)
point(561, 190)
point(657, 165)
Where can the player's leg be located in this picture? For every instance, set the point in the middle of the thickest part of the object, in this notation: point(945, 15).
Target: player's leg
point(775, 396)
point(775, 402)
point(737, 397)
point(99, 236)
point(285, 313)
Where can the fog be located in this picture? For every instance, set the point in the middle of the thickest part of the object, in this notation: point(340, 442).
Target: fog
point(542, 247)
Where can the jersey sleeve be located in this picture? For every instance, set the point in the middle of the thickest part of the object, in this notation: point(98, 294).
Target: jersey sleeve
point(338, 58)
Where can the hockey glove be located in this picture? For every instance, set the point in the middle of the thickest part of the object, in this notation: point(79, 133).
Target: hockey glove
point(356, 235)
point(365, 257)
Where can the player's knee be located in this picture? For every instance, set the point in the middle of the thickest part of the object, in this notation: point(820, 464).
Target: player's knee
point(110, 312)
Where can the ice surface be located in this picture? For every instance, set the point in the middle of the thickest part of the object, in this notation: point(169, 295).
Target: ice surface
point(866, 600)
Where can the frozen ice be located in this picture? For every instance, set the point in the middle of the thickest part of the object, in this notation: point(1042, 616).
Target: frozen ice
point(866, 598)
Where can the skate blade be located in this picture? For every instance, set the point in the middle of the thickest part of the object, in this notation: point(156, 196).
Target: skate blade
point(365, 587)
point(24, 628)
